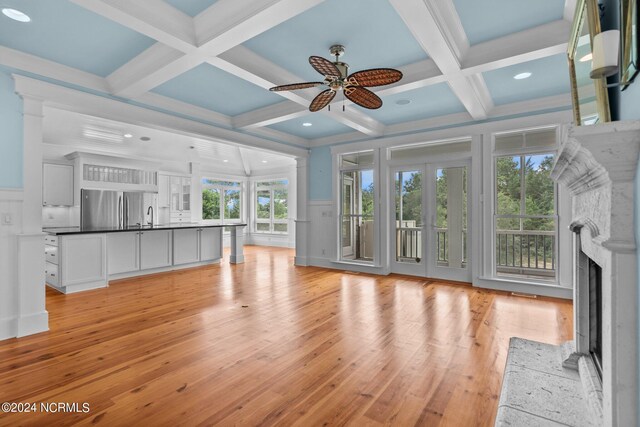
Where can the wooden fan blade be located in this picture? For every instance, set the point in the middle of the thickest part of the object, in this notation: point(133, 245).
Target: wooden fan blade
point(322, 100)
point(324, 66)
point(374, 77)
point(363, 97)
point(295, 86)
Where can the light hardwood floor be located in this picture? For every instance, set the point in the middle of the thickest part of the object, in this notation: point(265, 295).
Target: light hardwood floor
point(267, 343)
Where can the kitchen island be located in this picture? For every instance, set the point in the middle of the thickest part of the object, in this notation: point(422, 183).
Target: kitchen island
point(80, 259)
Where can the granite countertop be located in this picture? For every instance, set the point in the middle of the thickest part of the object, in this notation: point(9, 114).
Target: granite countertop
point(59, 231)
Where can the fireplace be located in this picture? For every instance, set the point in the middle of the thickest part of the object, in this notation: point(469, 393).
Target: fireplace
point(597, 165)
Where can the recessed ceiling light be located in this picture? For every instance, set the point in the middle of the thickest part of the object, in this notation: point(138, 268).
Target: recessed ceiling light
point(588, 57)
point(16, 15)
point(146, 138)
point(307, 124)
point(264, 161)
point(226, 161)
point(128, 135)
point(522, 76)
point(403, 101)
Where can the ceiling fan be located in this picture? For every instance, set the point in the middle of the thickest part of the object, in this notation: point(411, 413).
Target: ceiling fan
point(336, 77)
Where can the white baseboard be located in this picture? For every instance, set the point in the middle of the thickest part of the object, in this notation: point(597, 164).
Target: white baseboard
point(32, 324)
point(552, 291)
point(301, 261)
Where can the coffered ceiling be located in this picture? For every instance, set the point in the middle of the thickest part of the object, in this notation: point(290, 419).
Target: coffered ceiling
point(214, 60)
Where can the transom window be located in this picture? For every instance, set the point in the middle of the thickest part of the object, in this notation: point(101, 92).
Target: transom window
point(221, 201)
point(272, 207)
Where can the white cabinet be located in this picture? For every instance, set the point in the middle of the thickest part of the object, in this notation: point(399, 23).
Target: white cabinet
point(210, 244)
point(186, 246)
point(155, 249)
point(123, 252)
point(77, 263)
point(164, 191)
point(57, 185)
point(197, 245)
point(180, 194)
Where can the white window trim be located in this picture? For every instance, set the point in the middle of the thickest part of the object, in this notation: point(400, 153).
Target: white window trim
point(337, 153)
point(561, 207)
point(271, 220)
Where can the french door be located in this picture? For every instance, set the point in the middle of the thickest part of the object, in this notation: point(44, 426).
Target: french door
point(430, 232)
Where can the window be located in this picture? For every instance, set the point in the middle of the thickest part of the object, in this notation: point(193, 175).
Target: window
point(221, 200)
point(357, 207)
point(526, 215)
point(272, 210)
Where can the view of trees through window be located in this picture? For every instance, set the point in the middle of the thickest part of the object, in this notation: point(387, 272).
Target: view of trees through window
point(272, 210)
point(525, 215)
point(221, 200)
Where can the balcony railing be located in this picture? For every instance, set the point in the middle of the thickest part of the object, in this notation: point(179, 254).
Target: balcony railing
point(409, 244)
point(526, 252)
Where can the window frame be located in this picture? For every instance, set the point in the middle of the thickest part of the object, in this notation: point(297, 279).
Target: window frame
point(273, 186)
point(219, 185)
point(338, 184)
point(523, 152)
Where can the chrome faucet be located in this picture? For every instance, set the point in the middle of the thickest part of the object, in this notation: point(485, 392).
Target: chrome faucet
point(150, 210)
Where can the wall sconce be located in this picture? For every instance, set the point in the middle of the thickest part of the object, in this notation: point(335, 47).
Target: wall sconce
point(606, 54)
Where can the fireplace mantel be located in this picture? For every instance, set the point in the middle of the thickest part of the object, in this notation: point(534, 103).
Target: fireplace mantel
point(598, 165)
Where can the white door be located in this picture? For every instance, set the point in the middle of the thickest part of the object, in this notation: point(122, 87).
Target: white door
point(448, 238)
point(186, 246)
point(409, 238)
point(155, 249)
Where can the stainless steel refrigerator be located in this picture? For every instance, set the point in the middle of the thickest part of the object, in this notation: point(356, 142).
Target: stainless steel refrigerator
point(117, 209)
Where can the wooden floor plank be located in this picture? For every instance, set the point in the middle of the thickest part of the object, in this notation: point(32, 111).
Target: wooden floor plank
point(267, 343)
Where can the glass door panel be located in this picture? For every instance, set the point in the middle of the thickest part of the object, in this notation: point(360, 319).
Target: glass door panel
point(408, 185)
point(408, 236)
point(449, 228)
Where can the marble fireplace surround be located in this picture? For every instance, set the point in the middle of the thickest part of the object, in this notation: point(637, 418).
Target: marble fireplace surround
point(597, 164)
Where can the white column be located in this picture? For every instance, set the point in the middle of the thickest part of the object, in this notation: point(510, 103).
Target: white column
point(237, 245)
point(302, 211)
point(455, 198)
point(32, 314)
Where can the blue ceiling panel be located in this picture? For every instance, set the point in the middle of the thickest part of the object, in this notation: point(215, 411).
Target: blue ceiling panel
point(322, 126)
point(191, 7)
point(371, 30)
point(490, 19)
point(550, 76)
point(63, 32)
point(426, 102)
point(209, 87)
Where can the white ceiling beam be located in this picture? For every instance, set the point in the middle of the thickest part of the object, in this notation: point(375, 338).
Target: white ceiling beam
point(429, 21)
point(254, 68)
point(245, 162)
point(225, 24)
point(153, 18)
point(528, 45)
point(269, 115)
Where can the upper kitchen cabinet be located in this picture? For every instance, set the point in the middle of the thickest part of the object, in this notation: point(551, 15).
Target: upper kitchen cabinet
point(180, 191)
point(57, 185)
point(164, 191)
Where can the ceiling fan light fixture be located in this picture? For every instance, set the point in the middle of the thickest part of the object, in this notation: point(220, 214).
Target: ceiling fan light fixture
point(337, 78)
